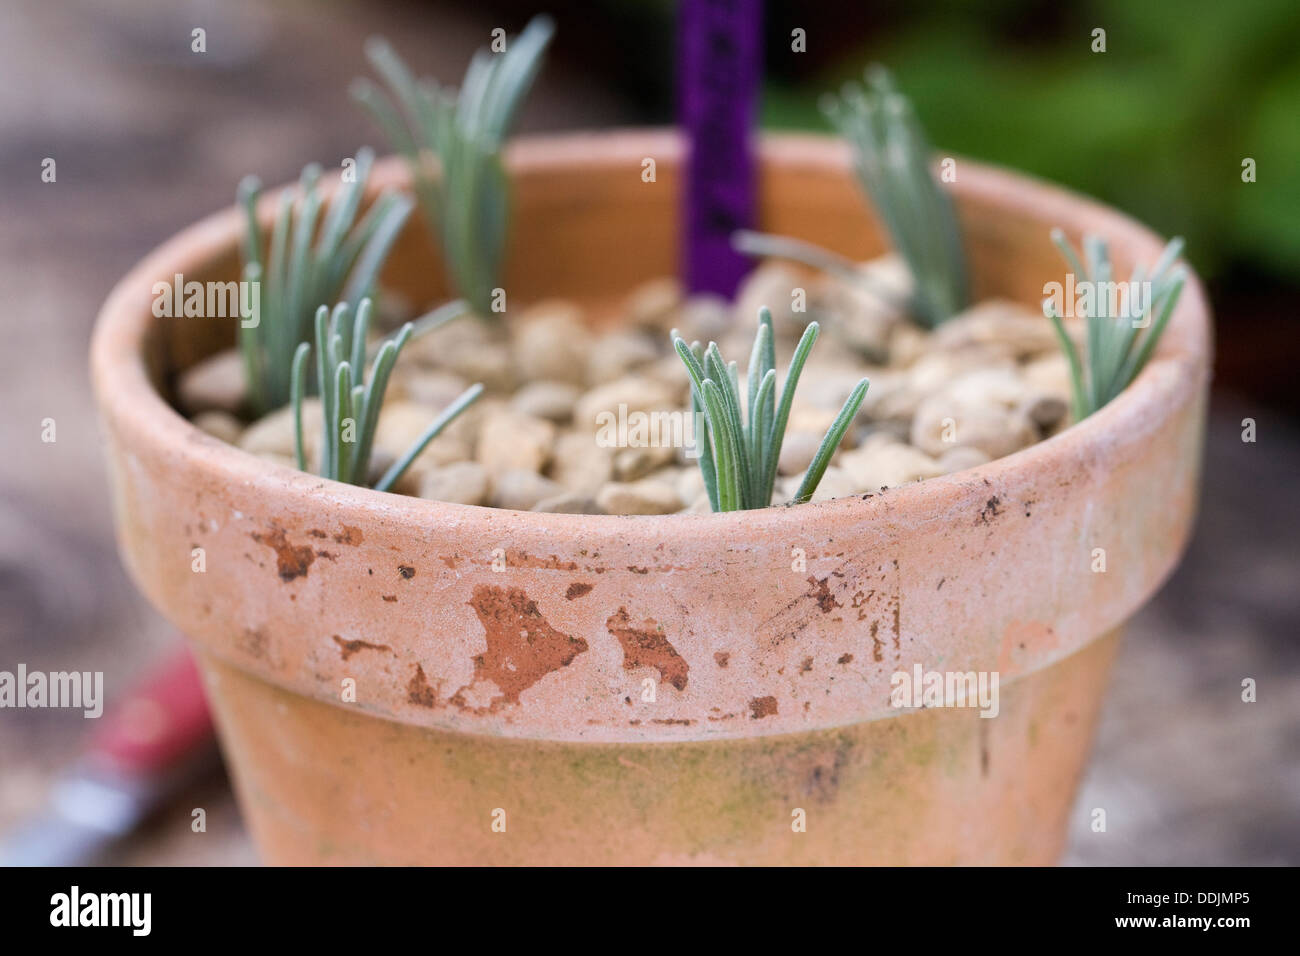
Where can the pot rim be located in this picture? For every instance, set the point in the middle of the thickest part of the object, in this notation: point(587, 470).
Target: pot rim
point(123, 390)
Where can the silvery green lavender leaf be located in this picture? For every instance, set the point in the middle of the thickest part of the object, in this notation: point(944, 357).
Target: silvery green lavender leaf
point(310, 261)
point(453, 142)
point(351, 400)
point(740, 448)
point(1123, 321)
point(892, 157)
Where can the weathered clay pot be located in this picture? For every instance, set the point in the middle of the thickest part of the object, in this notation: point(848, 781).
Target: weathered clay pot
point(479, 691)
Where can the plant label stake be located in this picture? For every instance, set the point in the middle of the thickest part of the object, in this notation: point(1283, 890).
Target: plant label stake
point(719, 63)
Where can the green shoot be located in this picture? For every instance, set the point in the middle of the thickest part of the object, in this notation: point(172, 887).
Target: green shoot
point(1115, 315)
point(738, 458)
point(312, 259)
point(892, 157)
point(350, 404)
point(453, 143)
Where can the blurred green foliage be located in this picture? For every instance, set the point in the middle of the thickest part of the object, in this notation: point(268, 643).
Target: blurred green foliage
point(1157, 125)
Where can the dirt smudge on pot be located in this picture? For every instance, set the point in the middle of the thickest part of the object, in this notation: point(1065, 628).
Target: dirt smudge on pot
point(984, 748)
point(761, 707)
point(291, 561)
point(348, 648)
point(350, 536)
point(522, 559)
point(418, 690)
point(645, 645)
point(821, 780)
point(898, 624)
point(789, 622)
point(577, 589)
point(254, 642)
point(406, 571)
point(859, 602)
point(722, 658)
point(522, 647)
point(992, 509)
point(820, 592)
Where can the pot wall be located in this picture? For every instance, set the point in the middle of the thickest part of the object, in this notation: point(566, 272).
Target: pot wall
point(521, 689)
point(322, 784)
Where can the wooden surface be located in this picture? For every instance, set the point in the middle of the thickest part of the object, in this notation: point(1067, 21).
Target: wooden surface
point(147, 137)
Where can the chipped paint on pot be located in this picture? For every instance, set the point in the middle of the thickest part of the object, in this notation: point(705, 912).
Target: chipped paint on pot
point(522, 689)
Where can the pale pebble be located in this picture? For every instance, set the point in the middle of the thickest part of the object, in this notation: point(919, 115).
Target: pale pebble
point(521, 490)
point(552, 401)
point(599, 408)
point(637, 462)
point(1049, 374)
point(961, 458)
point(887, 465)
point(997, 323)
point(568, 503)
point(510, 441)
point(214, 384)
point(645, 497)
point(690, 483)
point(946, 420)
point(460, 482)
point(491, 364)
point(654, 303)
point(551, 342)
point(776, 285)
point(436, 388)
point(274, 433)
point(617, 353)
point(579, 464)
point(907, 343)
point(220, 425)
point(402, 423)
point(835, 483)
point(1046, 411)
point(797, 452)
point(703, 318)
point(862, 315)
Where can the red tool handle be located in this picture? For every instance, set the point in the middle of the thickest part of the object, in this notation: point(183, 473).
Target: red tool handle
point(163, 720)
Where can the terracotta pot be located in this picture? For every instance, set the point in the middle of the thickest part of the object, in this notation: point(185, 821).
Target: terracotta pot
point(517, 695)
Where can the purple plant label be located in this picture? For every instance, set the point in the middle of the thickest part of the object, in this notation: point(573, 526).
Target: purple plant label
point(719, 59)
